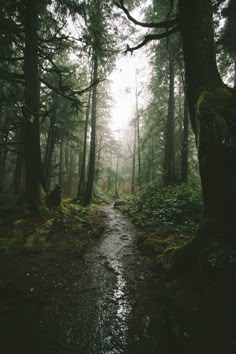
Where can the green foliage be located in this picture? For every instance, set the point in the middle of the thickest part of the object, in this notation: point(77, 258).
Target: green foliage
point(100, 197)
point(167, 208)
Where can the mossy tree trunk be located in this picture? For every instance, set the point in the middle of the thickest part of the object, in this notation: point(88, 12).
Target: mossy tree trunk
point(34, 181)
point(212, 108)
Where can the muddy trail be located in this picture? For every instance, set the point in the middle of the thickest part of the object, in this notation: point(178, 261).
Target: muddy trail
point(100, 317)
point(91, 291)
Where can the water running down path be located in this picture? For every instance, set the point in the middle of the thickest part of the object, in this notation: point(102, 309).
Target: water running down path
point(101, 321)
point(106, 286)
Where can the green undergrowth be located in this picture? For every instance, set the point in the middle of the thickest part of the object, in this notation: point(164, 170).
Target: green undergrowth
point(168, 217)
point(69, 225)
point(163, 248)
point(172, 208)
point(100, 197)
point(183, 252)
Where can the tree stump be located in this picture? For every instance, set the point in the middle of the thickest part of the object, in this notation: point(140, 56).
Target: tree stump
point(53, 199)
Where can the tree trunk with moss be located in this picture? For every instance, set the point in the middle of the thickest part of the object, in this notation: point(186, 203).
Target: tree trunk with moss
point(212, 107)
point(34, 181)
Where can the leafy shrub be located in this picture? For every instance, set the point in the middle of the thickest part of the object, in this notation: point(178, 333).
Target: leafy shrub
point(100, 197)
point(165, 207)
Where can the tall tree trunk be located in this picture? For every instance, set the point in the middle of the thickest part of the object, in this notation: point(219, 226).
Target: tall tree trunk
point(212, 110)
point(185, 144)
point(32, 153)
point(3, 153)
point(18, 186)
point(134, 160)
point(3, 162)
point(49, 150)
point(61, 163)
point(139, 151)
point(89, 187)
point(66, 167)
point(98, 160)
point(109, 178)
point(117, 181)
point(71, 171)
point(153, 168)
point(138, 130)
point(169, 150)
point(81, 186)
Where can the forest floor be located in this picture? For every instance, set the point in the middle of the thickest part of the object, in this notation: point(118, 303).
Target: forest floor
point(88, 282)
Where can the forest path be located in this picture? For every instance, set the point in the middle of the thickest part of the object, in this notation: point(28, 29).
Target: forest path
point(100, 318)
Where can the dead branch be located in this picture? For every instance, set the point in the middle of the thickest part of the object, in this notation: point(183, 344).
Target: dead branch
point(151, 37)
point(163, 24)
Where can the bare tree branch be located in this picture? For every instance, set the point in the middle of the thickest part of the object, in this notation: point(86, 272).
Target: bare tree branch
point(164, 24)
point(152, 37)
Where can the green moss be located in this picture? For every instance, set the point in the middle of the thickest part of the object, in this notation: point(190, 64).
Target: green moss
point(215, 99)
point(168, 258)
point(152, 246)
point(212, 111)
point(29, 242)
point(5, 243)
point(42, 207)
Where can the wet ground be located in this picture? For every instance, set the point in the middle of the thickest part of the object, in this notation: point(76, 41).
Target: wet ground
point(84, 288)
point(100, 319)
point(119, 306)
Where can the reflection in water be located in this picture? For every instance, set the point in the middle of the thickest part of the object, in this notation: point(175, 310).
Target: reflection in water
point(114, 306)
point(103, 312)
